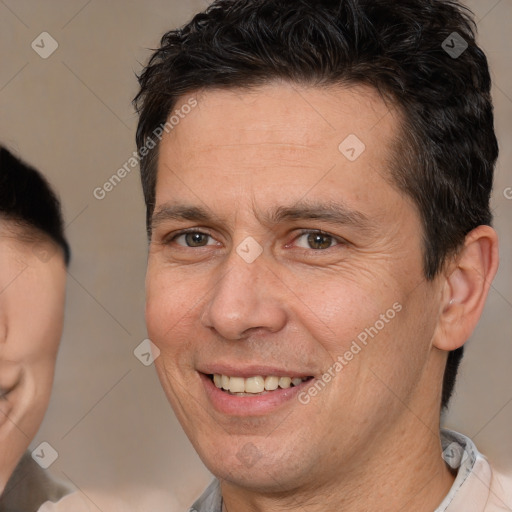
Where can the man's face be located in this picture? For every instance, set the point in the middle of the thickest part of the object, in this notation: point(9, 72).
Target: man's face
point(299, 253)
point(32, 290)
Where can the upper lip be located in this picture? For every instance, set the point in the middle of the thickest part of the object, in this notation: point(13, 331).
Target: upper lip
point(247, 371)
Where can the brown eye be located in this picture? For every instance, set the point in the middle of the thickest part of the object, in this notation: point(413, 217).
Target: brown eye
point(196, 239)
point(319, 241)
point(193, 239)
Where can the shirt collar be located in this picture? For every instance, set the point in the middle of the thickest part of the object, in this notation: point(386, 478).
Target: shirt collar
point(470, 490)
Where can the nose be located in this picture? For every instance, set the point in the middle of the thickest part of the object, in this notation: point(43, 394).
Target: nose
point(246, 298)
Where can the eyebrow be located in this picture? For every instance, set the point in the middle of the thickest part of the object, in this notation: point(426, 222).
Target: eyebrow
point(333, 212)
point(181, 212)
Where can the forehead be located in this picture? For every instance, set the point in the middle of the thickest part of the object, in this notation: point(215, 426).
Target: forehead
point(286, 113)
point(280, 143)
point(27, 247)
point(283, 121)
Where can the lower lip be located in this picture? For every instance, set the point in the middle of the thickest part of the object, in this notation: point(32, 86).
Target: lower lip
point(257, 405)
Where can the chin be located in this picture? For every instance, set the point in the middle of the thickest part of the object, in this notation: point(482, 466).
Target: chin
point(264, 466)
point(265, 480)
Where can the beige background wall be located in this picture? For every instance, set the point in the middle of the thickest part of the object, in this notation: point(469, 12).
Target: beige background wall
point(71, 116)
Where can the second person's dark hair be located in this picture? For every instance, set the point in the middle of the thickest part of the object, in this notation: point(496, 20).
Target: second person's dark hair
point(27, 199)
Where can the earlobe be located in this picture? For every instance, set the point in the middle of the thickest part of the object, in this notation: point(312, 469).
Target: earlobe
point(466, 288)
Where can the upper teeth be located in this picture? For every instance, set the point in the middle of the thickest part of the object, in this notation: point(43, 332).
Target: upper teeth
point(255, 384)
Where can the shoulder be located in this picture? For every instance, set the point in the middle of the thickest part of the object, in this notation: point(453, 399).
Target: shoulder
point(74, 502)
point(30, 486)
point(116, 500)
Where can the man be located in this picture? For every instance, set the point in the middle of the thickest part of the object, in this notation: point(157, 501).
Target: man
point(33, 258)
point(317, 179)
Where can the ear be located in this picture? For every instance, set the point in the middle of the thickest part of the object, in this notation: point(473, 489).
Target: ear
point(466, 288)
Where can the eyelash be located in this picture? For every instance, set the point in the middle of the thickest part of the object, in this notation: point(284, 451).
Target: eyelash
point(303, 232)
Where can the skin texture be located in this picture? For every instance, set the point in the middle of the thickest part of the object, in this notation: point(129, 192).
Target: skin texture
point(369, 440)
point(32, 294)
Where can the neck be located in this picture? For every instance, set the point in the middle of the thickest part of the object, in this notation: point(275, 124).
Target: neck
point(404, 472)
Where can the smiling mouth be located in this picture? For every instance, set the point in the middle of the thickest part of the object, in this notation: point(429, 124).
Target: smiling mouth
point(256, 385)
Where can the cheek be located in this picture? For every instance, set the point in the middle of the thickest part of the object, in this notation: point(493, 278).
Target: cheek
point(37, 340)
point(169, 311)
point(51, 317)
point(160, 305)
point(394, 360)
point(336, 309)
point(171, 307)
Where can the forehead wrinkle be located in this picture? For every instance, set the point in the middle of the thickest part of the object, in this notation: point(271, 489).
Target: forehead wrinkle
point(278, 149)
point(254, 157)
point(289, 145)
